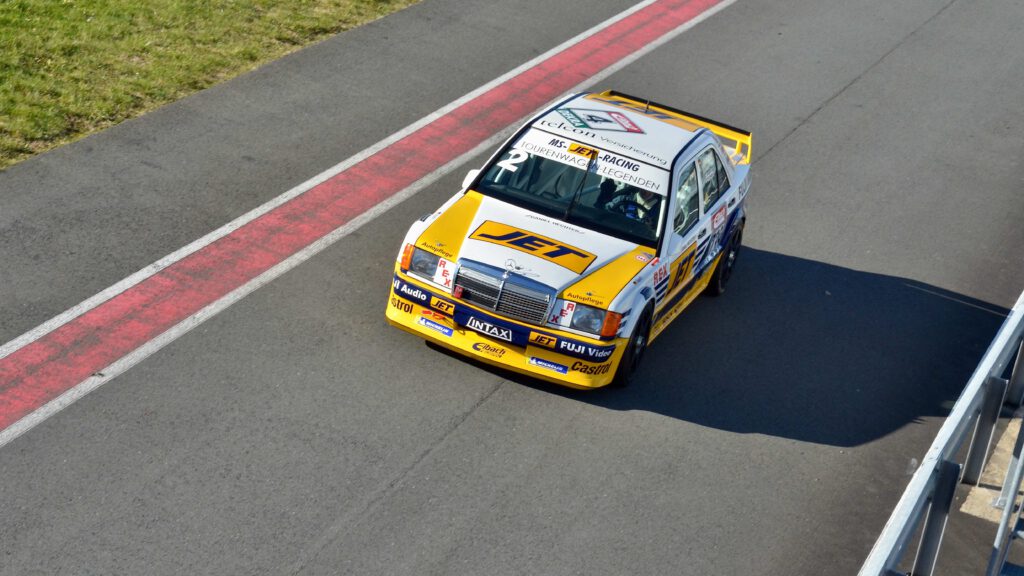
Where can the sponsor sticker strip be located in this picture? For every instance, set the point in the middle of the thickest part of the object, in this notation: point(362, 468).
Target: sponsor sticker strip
point(423, 321)
point(559, 125)
point(591, 369)
point(444, 275)
point(563, 315)
point(489, 350)
point(489, 329)
point(555, 366)
point(606, 163)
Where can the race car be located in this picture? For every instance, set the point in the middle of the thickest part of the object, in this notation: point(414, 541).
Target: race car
point(579, 241)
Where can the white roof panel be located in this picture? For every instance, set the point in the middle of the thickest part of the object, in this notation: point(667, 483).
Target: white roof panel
point(617, 126)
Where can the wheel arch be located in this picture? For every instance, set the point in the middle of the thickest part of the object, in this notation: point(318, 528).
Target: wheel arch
point(643, 303)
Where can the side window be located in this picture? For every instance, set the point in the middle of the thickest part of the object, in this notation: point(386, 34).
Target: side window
point(723, 177)
point(687, 201)
point(708, 166)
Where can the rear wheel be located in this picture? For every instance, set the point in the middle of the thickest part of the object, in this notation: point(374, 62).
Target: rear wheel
point(635, 349)
point(726, 264)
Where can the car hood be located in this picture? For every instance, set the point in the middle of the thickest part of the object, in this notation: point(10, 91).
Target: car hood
point(587, 266)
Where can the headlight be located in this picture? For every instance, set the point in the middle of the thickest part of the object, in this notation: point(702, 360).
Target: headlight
point(587, 319)
point(428, 266)
point(424, 263)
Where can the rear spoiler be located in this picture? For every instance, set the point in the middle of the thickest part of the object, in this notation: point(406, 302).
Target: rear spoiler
point(739, 138)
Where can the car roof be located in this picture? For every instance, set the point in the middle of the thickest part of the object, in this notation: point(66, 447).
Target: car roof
point(621, 124)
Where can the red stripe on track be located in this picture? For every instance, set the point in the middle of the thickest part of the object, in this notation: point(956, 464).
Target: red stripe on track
point(51, 365)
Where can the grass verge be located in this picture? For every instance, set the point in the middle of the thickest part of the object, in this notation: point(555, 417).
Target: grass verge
point(71, 67)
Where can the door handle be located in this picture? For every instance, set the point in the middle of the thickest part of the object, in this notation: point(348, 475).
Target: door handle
point(732, 202)
point(703, 233)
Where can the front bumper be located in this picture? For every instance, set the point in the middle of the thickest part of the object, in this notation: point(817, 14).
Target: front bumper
point(543, 353)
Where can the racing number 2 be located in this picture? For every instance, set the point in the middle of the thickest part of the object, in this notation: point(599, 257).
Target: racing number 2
point(515, 158)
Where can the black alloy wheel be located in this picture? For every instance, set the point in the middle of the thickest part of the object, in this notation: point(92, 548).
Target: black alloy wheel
point(726, 264)
point(630, 362)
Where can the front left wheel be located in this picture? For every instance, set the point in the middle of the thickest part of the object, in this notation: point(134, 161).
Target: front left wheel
point(635, 349)
point(726, 264)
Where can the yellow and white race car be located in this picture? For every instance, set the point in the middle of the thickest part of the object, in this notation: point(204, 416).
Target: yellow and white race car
point(579, 241)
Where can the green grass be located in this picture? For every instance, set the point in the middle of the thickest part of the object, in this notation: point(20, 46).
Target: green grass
point(72, 67)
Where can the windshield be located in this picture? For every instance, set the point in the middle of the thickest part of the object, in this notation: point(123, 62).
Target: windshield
point(580, 184)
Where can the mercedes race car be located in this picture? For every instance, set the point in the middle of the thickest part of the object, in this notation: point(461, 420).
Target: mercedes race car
point(579, 241)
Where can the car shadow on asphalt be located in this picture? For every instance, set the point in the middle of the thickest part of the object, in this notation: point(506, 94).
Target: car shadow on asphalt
point(808, 351)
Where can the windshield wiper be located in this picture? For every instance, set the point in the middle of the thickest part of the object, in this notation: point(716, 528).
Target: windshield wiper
point(591, 166)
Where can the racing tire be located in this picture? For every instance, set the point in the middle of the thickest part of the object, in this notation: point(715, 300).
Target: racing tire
point(726, 264)
point(635, 349)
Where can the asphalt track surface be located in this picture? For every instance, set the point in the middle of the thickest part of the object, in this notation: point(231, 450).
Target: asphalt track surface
point(296, 433)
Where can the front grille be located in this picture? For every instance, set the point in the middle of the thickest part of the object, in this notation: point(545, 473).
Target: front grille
point(504, 292)
point(478, 287)
point(520, 302)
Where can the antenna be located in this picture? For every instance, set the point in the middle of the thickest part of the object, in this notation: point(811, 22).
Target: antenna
point(647, 108)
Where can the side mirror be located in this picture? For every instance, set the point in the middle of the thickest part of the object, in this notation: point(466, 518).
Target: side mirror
point(469, 178)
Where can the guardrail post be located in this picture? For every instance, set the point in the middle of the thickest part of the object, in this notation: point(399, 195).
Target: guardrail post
point(935, 523)
point(1008, 502)
point(1009, 489)
point(995, 387)
point(1015, 395)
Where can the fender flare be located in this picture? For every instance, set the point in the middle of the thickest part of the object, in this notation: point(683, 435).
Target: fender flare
point(643, 303)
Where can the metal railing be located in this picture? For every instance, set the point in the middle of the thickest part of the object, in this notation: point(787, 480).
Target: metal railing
point(924, 506)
